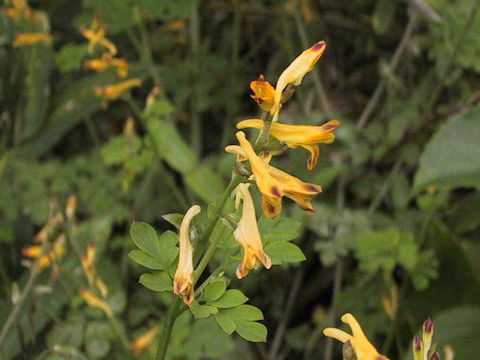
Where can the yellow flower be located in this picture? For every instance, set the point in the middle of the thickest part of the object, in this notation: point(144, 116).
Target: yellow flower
point(364, 350)
point(44, 260)
point(143, 342)
point(183, 282)
point(248, 236)
point(114, 91)
point(105, 62)
point(20, 10)
point(264, 93)
point(88, 263)
point(274, 183)
point(25, 39)
point(295, 72)
point(94, 301)
point(306, 136)
point(96, 37)
point(71, 207)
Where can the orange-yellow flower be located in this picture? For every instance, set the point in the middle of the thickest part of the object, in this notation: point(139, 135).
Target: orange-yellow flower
point(364, 350)
point(44, 260)
point(105, 62)
point(306, 136)
point(26, 39)
point(94, 301)
point(274, 183)
point(20, 10)
point(143, 342)
point(264, 93)
point(295, 72)
point(248, 236)
point(183, 282)
point(114, 91)
point(96, 37)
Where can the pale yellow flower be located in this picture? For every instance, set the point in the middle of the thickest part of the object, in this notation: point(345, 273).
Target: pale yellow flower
point(46, 259)
point(183, 281)
point(27, 39)
point(295, 72)
point(143, 342)
point(20, 10)
point(306, 136)
point(114, 91)
point(96, 36)
point(94, 301)
point(105, 62)
point(248, 236)
point(364, 350)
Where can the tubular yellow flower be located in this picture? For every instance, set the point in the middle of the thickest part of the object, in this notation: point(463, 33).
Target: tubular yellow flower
point(248, 236)
point(20, 10)
point(96, 37)
point(295, 72)
point(274, 183)
point(105, 62)
point(94, 301)
point(143, 342)
point(264, 93)
point(306, 136)
point(114, 91)
point(364, 350)
point(44, 260)
point(26, 39)
point(183, 282)
point(88, 265)
point(71, 207)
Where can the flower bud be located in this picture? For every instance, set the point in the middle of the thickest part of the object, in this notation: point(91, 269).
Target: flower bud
point(435, 356)
point(417, 348)
point(427, 334)
point(348, 351)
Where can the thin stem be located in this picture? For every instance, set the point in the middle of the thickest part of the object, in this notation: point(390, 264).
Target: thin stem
point(321, 93)
point(167, 328)
point(382, 85)
point(196, 133)
point(282, 326)
point(337, 286)
point(438, 89)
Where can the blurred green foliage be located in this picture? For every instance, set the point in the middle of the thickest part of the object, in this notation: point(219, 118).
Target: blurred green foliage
point(400, 212)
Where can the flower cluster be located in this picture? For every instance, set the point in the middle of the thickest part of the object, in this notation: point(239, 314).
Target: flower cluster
point(272, 183)
point(357, 346)
point(98, 42)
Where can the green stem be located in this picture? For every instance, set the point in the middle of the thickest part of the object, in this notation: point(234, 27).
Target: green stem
point(236, 179)
point(167, 328)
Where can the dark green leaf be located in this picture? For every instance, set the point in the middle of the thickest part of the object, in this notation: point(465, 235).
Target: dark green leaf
point(231, 298)
point(251, 331)
point(145, 237)
point(283, 251)
point(215, 290)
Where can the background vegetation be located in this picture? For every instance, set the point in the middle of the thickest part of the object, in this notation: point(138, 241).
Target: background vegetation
point(395, 236)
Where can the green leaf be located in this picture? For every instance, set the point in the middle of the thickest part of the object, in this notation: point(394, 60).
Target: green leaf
point(205, 183)
point(168, 248)
point(171, 146)
point(145, 237)
point(97, 340)
point(174, 219)
point(202, 311)
point(283, 251)
point(243, 312)
point(251, 331)
point(230, 299)
point(225, 322)
point(145, 260)
point(158, 281)
point(452, 156)
point(279, 229)
point(70, 57)
point(215, 290)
